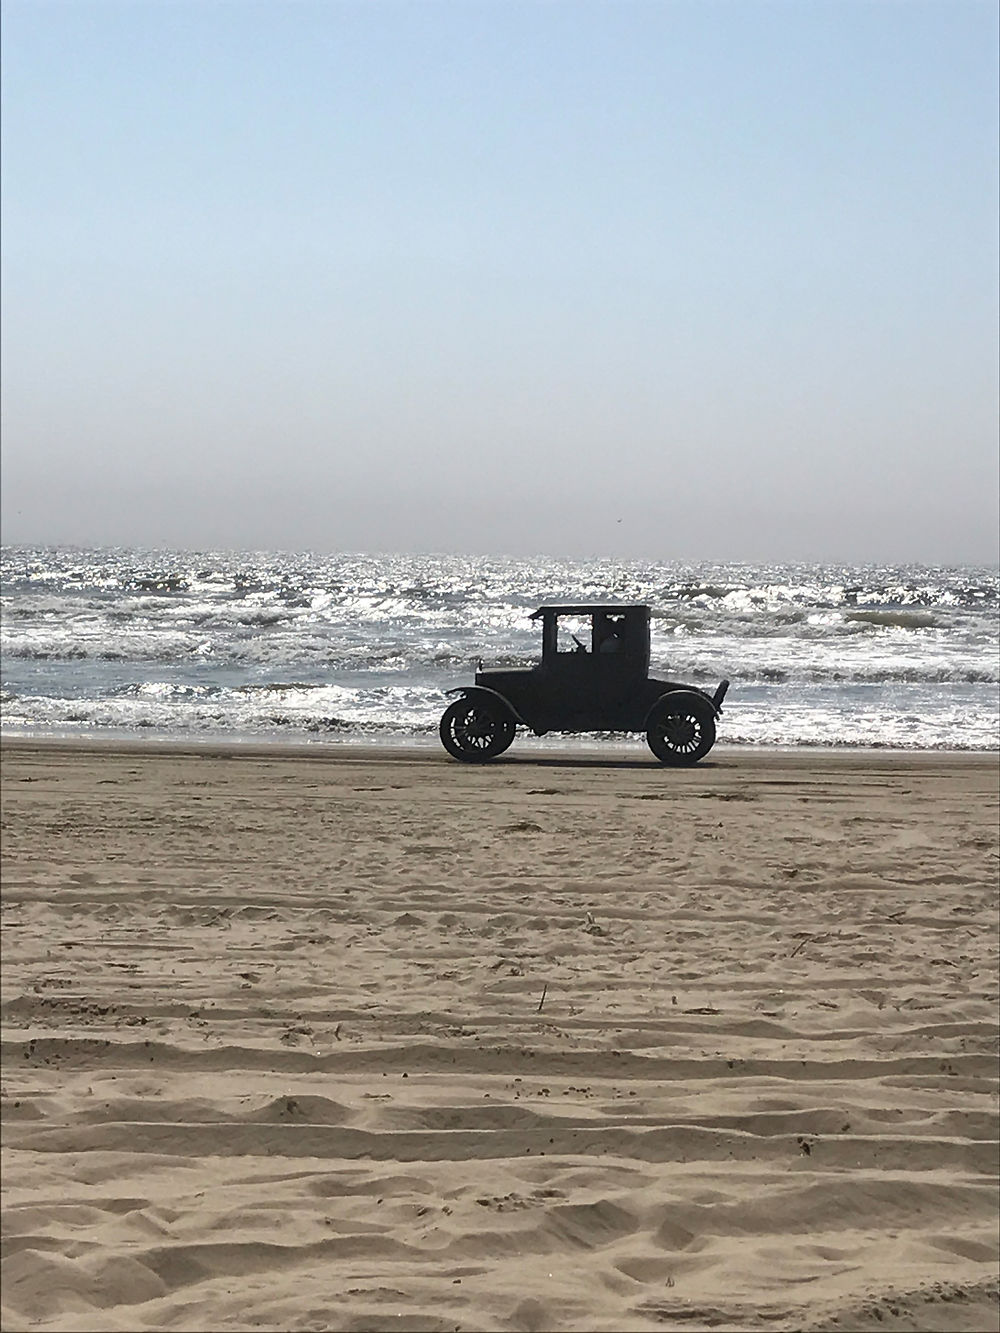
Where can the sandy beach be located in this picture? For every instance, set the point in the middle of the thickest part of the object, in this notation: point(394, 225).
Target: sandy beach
point(356, 1039)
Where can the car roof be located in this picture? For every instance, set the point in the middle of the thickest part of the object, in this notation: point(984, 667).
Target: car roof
point(589, 609)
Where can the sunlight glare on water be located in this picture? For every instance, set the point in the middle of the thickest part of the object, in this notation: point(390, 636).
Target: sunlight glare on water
point(256, 645)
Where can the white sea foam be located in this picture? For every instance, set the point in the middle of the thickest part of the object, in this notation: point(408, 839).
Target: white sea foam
point(254, 644)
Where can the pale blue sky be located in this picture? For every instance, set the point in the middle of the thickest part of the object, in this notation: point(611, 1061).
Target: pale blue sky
point(493, 276)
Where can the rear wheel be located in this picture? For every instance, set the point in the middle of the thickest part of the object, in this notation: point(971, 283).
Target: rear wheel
point(475, 730)
point(681, 732)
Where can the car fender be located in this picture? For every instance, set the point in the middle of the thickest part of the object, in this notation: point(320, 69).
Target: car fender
point(481, 691)
point(687, 697)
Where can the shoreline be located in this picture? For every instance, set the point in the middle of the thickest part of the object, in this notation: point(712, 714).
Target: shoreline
point(531, 748)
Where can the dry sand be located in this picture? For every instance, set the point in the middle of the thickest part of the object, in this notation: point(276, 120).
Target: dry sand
point(344, 1039)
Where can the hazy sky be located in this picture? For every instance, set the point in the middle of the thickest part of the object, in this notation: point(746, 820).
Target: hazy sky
point(464, 276)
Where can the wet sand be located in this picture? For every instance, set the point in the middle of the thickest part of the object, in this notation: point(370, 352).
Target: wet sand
point(334, 1038)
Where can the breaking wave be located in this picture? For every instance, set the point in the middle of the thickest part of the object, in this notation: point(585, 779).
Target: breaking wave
point(895, 619)
point(257, 643)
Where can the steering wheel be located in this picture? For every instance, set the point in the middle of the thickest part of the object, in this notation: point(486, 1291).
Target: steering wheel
point(580, 647)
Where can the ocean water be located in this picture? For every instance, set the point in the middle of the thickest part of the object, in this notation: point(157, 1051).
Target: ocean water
point(251, 645)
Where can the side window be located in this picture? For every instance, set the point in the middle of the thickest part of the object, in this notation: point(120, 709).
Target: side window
point(609, 634)
point(571, 632)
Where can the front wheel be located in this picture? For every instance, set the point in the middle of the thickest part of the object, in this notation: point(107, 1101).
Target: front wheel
point(681, 733)
point(475, 731)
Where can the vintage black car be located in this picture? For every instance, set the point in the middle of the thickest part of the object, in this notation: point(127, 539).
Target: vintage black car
point(600, 685)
